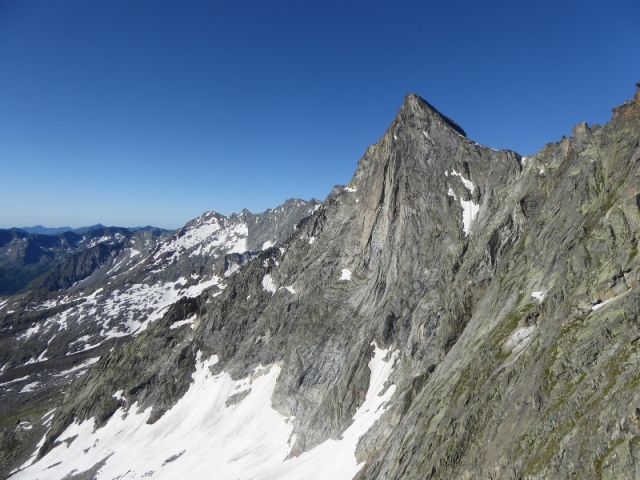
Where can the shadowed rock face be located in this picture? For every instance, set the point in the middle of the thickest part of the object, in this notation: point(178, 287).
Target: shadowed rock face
point(507, 286)
point(31, 261)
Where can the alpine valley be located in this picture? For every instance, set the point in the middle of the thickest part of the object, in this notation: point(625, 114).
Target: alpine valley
point(454, 312)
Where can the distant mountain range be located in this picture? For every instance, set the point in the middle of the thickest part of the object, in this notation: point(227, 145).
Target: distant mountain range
point(34, 257)
point(42, 230)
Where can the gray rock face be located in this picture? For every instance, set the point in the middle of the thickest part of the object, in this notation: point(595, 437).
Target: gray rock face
point(275, 226)
point(506, 286)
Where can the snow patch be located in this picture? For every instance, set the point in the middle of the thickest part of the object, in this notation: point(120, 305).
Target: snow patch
point(180, 323)
point(468, 184)
point(30, 387)
point(25, 425)
point(86, 364)
point(31, 331)
point(15, 380)
point(470, 209)
point(345, 274)
point(268, 284)
point(233, 268)
point(103, 239)
point(539, 295)
point(469, 213)
point(33, 457)
point(195, 290)
point(598, 306)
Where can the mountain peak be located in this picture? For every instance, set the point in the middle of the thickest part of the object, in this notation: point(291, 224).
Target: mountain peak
point(414, 105)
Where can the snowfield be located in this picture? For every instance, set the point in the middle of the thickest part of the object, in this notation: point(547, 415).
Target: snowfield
point(208, 234)
point(119, 313)
point(204, 437)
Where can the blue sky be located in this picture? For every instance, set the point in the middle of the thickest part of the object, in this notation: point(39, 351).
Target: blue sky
point(150, 112)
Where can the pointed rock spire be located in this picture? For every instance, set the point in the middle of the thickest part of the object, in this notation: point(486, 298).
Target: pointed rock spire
point(416, 106)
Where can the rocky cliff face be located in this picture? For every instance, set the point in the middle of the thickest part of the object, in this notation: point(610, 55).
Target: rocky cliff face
point(454, 312)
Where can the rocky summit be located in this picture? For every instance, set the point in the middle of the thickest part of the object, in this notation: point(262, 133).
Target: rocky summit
point(454, 312)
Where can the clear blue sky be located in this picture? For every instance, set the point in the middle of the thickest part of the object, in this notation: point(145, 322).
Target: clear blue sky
point(150, 112)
